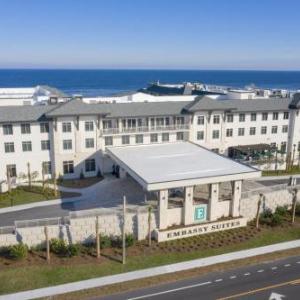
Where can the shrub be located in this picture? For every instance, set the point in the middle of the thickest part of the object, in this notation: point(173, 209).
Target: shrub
point(17, 252)
point(272, 219)
point(130, 240)
point(276, 219)
point(118, 242)
point(73, 249)
point(58, 246)
point(105, 241)
point(99, 174)
point(281, 210)
point(298, 209)
point(81, 175)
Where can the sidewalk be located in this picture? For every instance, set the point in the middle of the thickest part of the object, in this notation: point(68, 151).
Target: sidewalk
point(166, 269)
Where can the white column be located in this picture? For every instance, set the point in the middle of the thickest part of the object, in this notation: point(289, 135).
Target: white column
point(213, 201)
point(188, 205)
point(236, 198)
point(163, 209)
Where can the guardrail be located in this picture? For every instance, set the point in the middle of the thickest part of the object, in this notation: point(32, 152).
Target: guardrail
point(145, 129)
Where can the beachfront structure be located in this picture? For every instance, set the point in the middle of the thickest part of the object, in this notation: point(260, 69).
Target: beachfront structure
point(40, 94)
point(72, 138)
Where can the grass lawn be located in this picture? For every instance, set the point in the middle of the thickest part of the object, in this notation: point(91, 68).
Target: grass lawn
point(25, 195)
point(294, 170)
point(34, 272)
point(79, 183)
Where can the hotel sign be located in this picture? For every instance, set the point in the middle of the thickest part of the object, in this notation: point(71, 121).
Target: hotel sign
point(200, 213)
point(187, 231)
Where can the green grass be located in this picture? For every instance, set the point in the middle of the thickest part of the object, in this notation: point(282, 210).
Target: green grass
point(17, 278)
point(294, 170)
point(26, 195)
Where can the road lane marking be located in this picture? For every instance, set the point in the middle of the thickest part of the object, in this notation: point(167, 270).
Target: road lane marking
point(232, 277)
point(287, 265)
point(247, 274)
point(298, 262)
point(297, 281)
point(274, 268)
point(260, 271)
point(171, 291)
point(218, 280)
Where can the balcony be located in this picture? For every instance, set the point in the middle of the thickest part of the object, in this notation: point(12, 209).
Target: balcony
point(144, 129)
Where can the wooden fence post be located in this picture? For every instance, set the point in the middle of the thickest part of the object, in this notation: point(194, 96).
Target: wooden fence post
point(124, 232)
point(47, 243)
point(97, 238)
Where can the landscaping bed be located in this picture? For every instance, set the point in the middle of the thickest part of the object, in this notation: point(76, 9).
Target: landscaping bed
point(79, 183)
point(293, 171)
point(26, 195)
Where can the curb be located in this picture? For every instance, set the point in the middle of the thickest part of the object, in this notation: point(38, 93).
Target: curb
point(150, 272)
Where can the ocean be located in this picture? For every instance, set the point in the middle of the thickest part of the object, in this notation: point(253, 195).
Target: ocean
point(107, 82)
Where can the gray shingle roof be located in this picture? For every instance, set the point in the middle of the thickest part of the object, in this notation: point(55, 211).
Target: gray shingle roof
point(206, 103)
point(25, 113)
point(136, 109)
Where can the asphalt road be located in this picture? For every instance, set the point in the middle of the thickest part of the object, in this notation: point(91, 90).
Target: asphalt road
point(265, 281)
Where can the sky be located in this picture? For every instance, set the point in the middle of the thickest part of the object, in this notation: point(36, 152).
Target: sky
point(150, 34)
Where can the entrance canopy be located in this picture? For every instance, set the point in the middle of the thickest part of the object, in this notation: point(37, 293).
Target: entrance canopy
point(180, 164)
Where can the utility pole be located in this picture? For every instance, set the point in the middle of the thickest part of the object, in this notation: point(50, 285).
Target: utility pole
point(124, 232)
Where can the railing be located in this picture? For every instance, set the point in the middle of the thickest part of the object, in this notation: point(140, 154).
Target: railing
point(145, 129)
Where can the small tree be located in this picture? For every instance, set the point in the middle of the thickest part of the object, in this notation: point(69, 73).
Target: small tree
point(29, 174)
point(97, 238)
point(261, 197)
point(295, 192)
point(149, 224)
point(8, 179)
point(43, 177)
point(55, 184)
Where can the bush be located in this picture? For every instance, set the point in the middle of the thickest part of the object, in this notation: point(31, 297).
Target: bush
point(130, 240)
point(73, 249)
point(99, 174)
point(105, 241)
point(281, 210)
point(17, 252)
point(272, 219)
point(118, 243)
point(276, 219)
point(81, 175)
point(58, 246)
point(298, 209)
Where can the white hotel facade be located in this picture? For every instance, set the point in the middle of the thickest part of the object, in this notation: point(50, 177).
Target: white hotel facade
point(71, 138)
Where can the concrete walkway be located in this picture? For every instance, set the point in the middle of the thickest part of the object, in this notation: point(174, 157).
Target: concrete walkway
point(166, 269)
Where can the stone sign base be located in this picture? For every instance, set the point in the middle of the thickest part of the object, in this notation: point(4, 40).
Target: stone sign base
point(191, 230)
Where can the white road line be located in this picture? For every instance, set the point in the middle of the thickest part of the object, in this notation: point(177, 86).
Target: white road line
point(287, 265)
point(298, 262)
point(232, 277)
point(274, 268)
point(218, 280)
point(260, 271)
point(171, 291)
point(247, 274)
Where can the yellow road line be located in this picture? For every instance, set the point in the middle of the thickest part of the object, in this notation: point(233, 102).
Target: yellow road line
point(297, 281)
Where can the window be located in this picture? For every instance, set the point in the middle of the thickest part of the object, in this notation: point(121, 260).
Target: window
point(179, 120)
point(11, 170)
point(252, 130)
point(160, 122)
point(90, 165)
point(89, 126)
point(285, 128)
point(263, 130)
point(241, 131)
point(9, 147)
point(286, 115)
point(67, 144)
point(108, 124)
point(89, 143)
point(283, 147)
point(45, 145)
point(66, 127)
point(7, 129)
point(229, 132)
point(68, 166)
point(44, 127)
point(274, 129)
point(165, 137)
point(200, 135)
point(139, 139)
point(46, 167)
point(153, 138)
point(200, 120)
point(179, 136)
point(242, 117)
point(229, 118)
point(275, 115)
point(26, 146)
point(125, 139)
point(216, 119)
point(215, 134)
point(25, 128)
point(264, 116)
point(253, 117)
point(108, 141)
